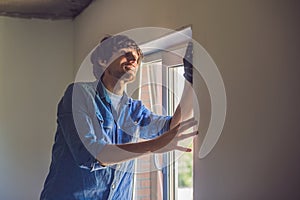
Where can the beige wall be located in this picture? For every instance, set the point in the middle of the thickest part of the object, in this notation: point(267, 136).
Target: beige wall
point(36, 63)
point(255, 44)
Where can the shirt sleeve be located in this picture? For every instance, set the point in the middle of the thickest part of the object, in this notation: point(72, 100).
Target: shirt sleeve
point(150, 124)
point(84, 138)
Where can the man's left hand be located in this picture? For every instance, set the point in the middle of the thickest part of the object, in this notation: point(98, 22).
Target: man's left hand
point(188, 63)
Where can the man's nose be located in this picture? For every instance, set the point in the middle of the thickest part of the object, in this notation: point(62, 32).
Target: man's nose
point(130, 57)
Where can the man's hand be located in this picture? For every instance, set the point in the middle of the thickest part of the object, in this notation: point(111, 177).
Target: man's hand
point(170, 140)
point(188, 63)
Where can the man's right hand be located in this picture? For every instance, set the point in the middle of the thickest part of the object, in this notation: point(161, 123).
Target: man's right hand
point(169, 141)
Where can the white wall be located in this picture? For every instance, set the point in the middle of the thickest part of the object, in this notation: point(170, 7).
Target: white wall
point(255, 44)
point(36, 63)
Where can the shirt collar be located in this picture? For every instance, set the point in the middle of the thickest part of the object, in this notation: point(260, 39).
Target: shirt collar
point(101, 91)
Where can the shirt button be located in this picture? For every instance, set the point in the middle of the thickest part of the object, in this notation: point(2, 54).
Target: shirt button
point(113, 186)
point(135, 122)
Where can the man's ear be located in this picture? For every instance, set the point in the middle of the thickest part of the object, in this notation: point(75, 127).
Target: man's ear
point(102, 62)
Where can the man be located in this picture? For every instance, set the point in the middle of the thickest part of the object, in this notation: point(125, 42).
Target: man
point(99, 127)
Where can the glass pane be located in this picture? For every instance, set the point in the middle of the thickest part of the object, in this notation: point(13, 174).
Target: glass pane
point(183, 180)
point(148, 179)
point(151, 183)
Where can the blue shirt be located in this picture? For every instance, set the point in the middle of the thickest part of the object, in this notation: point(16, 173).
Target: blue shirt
point(86, 122)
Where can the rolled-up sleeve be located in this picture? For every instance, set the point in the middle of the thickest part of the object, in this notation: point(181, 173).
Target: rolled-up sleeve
point(83, 134)
point(151, 124)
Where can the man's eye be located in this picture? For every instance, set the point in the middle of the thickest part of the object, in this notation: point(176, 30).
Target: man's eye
point(129, 56)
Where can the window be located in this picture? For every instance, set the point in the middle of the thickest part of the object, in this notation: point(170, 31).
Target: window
point(183, 167)
point(160, 85)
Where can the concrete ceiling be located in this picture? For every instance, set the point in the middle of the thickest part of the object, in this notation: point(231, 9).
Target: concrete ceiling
point(43, 9)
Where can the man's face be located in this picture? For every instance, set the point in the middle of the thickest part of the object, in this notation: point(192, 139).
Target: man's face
point(123, 65)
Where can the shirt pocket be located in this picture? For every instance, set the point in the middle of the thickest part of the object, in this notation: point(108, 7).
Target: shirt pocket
point(131, 127)
point(107, 125)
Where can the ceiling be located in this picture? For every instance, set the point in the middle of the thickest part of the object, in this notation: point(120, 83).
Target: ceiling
point(43, 9)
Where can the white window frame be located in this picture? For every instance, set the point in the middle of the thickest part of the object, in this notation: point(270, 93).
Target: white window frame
point(152, 50)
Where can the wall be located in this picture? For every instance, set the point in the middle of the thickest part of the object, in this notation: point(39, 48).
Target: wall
point(36, 63)
point(255, 46)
